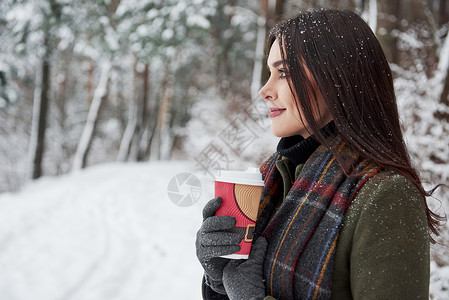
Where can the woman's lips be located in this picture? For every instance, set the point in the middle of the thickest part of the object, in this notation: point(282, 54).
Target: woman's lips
point(274, 112)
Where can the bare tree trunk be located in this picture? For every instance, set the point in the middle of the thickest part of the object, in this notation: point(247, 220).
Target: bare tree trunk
point(136, 149)
point(61, 104)
point(390, 20)
point(444, 98)
point(132, 146)
point(130, 130)
point(90, 80)
point(359, 5)
point(141, 144)
point(264, 14)
point(372, 15)
point(443, 14)
point(100, 94)
point(431, 21)
point(163, 118)
point(271, 18)
point(224, 44)
point(443, 71)
point(394, 49)
point(40, 109)
point(279, 8)
point(256, 80)
point(150, 131)
point(127, 138)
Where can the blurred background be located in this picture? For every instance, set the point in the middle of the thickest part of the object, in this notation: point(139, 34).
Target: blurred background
point(84, 83)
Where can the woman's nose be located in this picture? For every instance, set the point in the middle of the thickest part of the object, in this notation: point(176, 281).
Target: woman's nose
point(266, 92)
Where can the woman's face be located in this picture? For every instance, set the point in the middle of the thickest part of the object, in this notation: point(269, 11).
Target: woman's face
point(285, 116)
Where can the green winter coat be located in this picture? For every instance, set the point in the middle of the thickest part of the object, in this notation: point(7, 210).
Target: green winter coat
point(383, 248)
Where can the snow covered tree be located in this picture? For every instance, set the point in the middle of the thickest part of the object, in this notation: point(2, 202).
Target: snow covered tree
point(161, 39)
point(103, 36)
point(32, 27)
point(98, 98)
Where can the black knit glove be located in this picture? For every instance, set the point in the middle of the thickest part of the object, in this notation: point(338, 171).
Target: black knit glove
point(243, 279)
point(213, 241)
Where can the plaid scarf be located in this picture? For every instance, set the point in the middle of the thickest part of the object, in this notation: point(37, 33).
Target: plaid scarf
point(303, 232)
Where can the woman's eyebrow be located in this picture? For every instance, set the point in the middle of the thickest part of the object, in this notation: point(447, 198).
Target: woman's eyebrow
point(278, 63)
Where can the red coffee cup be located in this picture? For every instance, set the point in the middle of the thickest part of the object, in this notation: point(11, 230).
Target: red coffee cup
point(241, 193)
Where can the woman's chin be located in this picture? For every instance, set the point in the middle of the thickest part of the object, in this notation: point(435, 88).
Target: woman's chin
point(278, 132)
point(275, 132)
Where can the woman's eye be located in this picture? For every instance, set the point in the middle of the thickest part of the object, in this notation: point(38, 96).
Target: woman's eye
point(283, 73)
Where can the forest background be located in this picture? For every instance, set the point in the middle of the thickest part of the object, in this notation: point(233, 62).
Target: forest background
point(87, 82)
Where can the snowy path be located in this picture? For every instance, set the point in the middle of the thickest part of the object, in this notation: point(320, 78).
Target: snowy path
point(108, 232)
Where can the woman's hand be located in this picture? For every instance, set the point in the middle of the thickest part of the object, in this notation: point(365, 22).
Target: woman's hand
point(213, 241)
point(244, 279)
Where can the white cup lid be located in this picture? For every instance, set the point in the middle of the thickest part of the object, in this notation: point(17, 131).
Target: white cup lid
point(251, 176)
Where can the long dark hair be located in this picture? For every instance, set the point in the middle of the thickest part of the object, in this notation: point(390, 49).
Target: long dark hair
point(352, 73)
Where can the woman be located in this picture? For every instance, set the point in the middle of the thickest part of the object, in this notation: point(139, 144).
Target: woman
point(343, 213)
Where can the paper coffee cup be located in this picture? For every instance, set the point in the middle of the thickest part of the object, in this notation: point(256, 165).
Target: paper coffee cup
point(241, 193)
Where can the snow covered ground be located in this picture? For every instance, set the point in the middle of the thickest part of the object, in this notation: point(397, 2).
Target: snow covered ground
point(108, 232)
